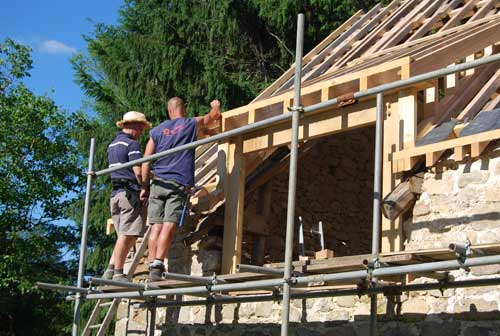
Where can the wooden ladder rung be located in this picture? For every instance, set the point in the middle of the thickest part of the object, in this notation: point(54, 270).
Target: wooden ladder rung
point(95, 326)
point(106, 304)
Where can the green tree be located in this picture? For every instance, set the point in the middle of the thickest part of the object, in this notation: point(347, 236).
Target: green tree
point(199, 50)
point(38, 168)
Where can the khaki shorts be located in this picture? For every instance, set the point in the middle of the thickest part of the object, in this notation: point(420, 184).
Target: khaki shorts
point(166, 200)
point(127, 214)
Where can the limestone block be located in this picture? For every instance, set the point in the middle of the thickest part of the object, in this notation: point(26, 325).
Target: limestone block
point(362, 311)
point(474, 177)
point(493, 193)
point(488, 237)
point(444, 294)
point(295, 314)
point(437, 187)
point(421, 209)
point(325, 304)
point(443, 204)
point(247, 310)
point(264, 309)
point(228, 312)
point(185, 315)
point(346, 301)
point(496, 170)
point(122, 311)
point(485, 270)
point(415, 309)
point(473, 305)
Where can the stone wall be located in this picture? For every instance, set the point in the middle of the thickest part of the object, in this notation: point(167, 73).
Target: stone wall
point(459, 202)
point(335, 186)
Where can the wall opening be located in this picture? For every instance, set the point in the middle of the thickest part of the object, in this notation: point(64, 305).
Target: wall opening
point(335, 186)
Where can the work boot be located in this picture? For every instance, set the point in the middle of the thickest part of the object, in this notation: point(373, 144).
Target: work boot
point(155, 273)
point(120, 277)
point(108, 274)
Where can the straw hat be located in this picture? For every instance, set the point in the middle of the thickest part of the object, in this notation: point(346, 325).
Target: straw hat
point(133, 116)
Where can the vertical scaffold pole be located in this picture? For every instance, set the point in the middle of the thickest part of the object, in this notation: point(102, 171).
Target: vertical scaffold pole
point(377, 193)
point(292, 179)
point(83, 244)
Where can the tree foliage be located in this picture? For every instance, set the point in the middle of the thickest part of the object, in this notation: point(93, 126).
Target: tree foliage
point(38, 169)
point(199, 50)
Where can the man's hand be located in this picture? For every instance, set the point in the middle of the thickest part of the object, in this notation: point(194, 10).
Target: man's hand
point(215, 113)
point(143, 196)
point(215, 104)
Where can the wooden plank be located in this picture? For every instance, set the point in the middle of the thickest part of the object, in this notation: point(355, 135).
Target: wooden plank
point(468, 88)
point(394, 65)
point(234, 207)
point(437, 16)
point(326, 57)
point(432, 158)
point(407, 102)
point(448, 144)
point(477, 148)
point(365, 33)
point(460, 152)
point(313, 53)
point(484, 10)
point(453, 52)
point(373, 36)
point(416, 16)
point(481, 98)
point(314, 125)
point(393, 22)
point(493, 104)
point(455, 19)
point(391, 230)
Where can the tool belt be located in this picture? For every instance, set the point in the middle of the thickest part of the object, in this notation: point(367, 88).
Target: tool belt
point(125, 184)
point(131, 190)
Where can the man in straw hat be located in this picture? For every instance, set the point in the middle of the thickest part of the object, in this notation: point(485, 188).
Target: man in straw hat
point(173, 175)
point(125, 204)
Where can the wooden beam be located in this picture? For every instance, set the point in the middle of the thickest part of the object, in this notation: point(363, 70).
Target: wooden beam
point(378, 74)
point(234, 207)
point(447, 144)
point(373, 36)
point(477, 148)
point(438, 15)
point(315, 125)
point(417, 16)
point(455, 19)
point(407, 103)
point(326, 53)
point(311, 55)
point(481, 98)
point(460, 152)
point(454, 52)
point(392, 230)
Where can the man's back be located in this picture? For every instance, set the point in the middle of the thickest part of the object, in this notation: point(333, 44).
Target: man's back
point(170, 134)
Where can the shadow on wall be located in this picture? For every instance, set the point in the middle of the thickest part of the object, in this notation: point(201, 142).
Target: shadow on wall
point(442, 225)
point(476, 324)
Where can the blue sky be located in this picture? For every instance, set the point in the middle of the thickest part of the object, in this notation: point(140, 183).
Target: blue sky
point(54, 29)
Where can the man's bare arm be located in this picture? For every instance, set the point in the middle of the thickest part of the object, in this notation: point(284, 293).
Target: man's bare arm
point(214, 114)
point(138, 173)
point(150, 149)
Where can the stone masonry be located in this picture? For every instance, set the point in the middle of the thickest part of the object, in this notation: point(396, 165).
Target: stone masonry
point(459, 201)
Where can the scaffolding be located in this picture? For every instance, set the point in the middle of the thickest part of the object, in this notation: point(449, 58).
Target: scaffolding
point(283, 280)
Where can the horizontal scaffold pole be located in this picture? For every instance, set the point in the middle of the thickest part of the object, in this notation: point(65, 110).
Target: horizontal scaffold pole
point(388, 290)
point(352, 276)
point(320, 106)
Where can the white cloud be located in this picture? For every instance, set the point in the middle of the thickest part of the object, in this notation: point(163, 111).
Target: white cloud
point(56, 47)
